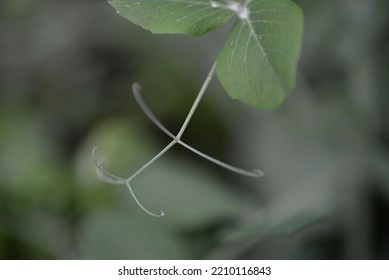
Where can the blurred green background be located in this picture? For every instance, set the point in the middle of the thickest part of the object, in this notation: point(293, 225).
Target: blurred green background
point(65, 73)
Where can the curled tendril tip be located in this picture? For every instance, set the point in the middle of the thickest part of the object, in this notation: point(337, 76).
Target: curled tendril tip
point(110, 178)
point(103, 174)
point(161, 214)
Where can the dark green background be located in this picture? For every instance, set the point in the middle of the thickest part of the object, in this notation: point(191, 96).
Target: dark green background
point(65, 73)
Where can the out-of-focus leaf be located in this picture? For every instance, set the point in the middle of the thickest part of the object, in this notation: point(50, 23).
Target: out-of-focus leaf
point(111, 235)
point(29, 166)
point(288, 227)
point(37, 229)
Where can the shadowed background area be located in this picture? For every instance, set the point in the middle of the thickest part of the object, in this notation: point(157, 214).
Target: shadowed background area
point(66, 69)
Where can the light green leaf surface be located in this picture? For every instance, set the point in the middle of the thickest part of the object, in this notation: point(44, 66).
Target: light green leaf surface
point(191, 17)
point(257, 64)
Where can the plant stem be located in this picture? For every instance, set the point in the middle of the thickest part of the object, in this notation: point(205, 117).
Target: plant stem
point(176, 139)
point(110, 178)
point(171, 144)
point(197, 101)
point(136, 88)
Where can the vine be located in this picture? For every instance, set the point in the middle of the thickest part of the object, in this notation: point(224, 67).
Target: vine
point(254, 66)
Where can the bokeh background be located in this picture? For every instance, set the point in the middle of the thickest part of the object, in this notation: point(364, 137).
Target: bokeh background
point(66, 68)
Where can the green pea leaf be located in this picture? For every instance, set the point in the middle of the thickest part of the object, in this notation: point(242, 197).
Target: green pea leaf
point(257, 64)
point(191, 17)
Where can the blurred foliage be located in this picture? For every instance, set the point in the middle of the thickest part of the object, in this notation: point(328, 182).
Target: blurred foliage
point(65, 74)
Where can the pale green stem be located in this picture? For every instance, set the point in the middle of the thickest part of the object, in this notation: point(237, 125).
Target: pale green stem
point(197, 101)
point(110, 178)
point(171, 144)
point(136, 88)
